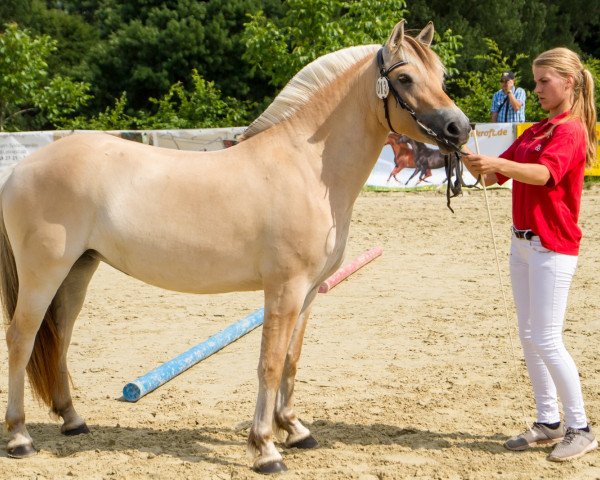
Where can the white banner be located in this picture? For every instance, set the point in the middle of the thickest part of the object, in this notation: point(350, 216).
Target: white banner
point(16, 146)
point(404, 163)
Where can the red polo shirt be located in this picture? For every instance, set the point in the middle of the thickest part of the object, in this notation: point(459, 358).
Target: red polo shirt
point(551, 210)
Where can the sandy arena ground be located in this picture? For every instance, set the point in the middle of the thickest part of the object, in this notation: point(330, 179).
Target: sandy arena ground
point(407, 370)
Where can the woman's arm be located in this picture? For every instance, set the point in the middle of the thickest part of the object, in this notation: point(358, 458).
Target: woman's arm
point(530, 173)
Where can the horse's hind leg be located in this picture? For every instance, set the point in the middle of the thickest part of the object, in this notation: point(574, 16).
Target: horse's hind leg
point(298, 436)
point(69, 300)
point(34, 299)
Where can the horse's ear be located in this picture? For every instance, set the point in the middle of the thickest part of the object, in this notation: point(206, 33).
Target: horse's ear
point(426, 35)
point(396, 38)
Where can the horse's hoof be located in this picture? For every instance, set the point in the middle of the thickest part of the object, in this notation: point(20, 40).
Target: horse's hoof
point(83, 428)
point(271, 467)
point(21, 451)
point(308, 442)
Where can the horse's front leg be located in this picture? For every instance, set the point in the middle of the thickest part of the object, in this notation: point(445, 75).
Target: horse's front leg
point(282, 308)
point(298, 436)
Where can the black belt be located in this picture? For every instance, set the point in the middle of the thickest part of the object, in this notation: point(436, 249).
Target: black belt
point(525, 234)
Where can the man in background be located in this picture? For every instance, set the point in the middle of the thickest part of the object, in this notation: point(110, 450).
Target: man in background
point(508, 103)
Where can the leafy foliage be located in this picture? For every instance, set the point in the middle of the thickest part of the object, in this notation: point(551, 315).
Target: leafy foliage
point(25, 85)
point(280, 47)
point(202, 107)
point(127, 64)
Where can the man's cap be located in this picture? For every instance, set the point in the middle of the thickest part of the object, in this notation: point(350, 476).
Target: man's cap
point(508, 75)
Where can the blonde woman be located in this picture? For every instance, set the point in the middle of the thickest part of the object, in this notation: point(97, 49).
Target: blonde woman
point(547, 166)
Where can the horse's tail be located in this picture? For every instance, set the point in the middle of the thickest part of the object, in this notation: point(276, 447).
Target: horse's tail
point(43, 368)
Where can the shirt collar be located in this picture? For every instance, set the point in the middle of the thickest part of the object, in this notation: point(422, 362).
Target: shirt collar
point(545, 122)
point(558, 118)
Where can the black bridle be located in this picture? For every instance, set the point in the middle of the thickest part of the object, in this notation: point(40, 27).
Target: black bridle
point(453, 165)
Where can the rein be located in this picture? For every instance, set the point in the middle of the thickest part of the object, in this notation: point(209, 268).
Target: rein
point(453, 165)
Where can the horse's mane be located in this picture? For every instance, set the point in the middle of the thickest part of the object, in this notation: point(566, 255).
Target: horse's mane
point(324, 70)
point(305, 84)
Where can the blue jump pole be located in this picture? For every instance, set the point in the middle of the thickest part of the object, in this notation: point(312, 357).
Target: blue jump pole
point(135, 390)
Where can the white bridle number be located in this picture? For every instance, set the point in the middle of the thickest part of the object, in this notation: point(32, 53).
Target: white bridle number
point(382, 88)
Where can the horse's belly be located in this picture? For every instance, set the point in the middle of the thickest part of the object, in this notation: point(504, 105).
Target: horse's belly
point(184, 271)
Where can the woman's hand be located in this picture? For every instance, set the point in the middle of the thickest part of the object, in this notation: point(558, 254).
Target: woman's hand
point(482, 164)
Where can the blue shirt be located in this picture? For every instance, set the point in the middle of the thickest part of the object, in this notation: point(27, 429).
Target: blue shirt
point(506, 114)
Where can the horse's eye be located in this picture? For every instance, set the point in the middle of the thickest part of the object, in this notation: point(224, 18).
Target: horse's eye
point(403, 78)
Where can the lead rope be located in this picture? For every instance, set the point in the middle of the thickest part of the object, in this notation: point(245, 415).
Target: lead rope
point(506, 314)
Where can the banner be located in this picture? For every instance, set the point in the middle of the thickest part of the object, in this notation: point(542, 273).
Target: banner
point(406, 163)
point(16, 146)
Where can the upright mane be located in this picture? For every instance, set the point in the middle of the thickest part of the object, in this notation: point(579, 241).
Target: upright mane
point(305, 84)
point(324, 70)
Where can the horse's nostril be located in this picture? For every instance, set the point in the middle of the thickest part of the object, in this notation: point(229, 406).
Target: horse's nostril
point(452, 129)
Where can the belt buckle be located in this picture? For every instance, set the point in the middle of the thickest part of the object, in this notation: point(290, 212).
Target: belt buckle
point(523, 234)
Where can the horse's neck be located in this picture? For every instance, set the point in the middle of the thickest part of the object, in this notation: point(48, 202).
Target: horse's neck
point(347, 134)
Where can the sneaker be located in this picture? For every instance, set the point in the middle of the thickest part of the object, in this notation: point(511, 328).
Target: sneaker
point(575, 444)
point(538, 434)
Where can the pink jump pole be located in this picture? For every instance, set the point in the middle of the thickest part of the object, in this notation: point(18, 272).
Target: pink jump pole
point(349, 269)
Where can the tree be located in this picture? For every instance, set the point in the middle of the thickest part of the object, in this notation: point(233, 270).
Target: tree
point(202, 107)
point(148, 45)
point(280, 46)
point(29, 97)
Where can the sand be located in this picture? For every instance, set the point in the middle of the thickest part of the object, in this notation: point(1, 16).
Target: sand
point(407, 369)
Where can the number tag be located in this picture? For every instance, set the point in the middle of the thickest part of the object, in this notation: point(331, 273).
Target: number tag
point(382, 88)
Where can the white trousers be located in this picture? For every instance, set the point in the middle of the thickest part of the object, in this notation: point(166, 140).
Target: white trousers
point(540, 281)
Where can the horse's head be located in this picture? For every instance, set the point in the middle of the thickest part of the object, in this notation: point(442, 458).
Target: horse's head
point(414, 76)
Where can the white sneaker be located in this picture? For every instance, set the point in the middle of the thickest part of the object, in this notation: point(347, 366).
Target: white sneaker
point(538, 434)
point(575, 444)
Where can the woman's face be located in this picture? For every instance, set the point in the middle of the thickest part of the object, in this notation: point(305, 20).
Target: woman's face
point(554, 92)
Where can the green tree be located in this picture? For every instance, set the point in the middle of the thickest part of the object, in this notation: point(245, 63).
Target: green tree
point(200, 107)
point(280, 46)
point(148, 45)
point(112, 118)
point(29, 97)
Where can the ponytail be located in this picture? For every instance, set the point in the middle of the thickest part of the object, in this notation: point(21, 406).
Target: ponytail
point(588, 114)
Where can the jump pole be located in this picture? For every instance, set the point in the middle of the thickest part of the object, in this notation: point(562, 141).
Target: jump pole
point(349, 269)
point(145, 384)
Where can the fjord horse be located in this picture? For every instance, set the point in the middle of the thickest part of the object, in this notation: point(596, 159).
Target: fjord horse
point(271, 213)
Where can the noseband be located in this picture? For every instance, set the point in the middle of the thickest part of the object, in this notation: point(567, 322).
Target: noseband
point(452, 161)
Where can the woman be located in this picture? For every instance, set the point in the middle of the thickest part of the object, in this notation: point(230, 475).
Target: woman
point(547, 166)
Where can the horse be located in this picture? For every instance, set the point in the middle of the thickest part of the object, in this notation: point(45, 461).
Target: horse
point(425, 158)
point(403, 154)
point(271, 213)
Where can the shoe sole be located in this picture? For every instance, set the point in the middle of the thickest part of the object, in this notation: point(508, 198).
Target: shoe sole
point(589, 448)
point(552, 441)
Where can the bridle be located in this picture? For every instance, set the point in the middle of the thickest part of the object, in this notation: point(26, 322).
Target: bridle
point(452, 161)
